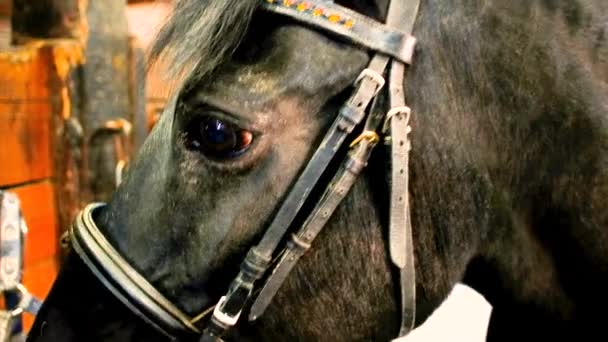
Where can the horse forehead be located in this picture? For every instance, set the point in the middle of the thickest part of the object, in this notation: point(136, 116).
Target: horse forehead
point(247, 89)
point(299, 67)
point(247, 94)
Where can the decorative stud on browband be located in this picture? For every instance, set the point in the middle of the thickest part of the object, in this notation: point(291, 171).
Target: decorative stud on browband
point(314, 10)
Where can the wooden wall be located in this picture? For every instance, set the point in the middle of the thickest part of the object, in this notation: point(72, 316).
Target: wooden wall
point(34, 97)
point(40, 93)
point(5, 7)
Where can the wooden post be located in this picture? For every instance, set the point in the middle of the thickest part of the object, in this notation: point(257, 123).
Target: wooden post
point(104, 82)
point(41, 19)
point(106, 87)
point(5, 8)
point(138, 87)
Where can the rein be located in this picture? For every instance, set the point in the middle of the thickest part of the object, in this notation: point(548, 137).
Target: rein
point(393, 45)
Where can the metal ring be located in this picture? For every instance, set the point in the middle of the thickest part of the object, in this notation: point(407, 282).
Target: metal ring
point(374, 76)
point(119, 171)
point(64, 240)
point(119, 125)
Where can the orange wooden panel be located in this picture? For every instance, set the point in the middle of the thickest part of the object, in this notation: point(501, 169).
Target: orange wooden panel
point(5, 7)
point(35, 71)
point(39, 211)
point(5, 30)
point(25, 138)
point(25, 72)
point(38, 278)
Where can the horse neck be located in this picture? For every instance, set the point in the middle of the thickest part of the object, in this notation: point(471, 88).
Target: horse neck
point(510, 128)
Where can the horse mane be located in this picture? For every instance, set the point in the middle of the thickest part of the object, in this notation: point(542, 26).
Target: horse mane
point(200, 34)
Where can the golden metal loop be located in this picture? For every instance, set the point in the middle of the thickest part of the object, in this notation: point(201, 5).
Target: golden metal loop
point(120, 125)
point(371, 136)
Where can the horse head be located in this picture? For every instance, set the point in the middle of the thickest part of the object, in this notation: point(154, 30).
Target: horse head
point(506, 176)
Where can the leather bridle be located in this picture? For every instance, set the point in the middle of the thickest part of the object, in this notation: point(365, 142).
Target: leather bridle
point(393, 46)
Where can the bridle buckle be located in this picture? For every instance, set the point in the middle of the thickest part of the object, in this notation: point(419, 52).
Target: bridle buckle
point(371, 136)
point(397, 111)
point(222, 317)
point(374, 76)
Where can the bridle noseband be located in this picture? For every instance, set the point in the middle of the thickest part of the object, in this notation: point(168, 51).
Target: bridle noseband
point(393, 45)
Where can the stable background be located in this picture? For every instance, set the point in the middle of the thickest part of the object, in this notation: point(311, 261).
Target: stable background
point(67, 69)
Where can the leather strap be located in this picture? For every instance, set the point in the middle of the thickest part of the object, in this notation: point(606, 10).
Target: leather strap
point(401, 244)
point(400, 229)
point(348, 24)
point(300, 242)
point(349, 116)
point(132, 289)
point(258, 259)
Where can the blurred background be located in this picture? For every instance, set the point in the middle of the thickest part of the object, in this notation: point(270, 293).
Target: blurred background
point(76, 102)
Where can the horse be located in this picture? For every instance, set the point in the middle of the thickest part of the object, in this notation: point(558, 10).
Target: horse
point(507, 175)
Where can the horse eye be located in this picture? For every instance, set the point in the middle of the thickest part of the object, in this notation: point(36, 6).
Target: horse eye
point(218, 139)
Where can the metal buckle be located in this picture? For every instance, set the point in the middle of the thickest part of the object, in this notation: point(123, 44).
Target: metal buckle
point(371, 136)
point(222, 317)
point(374, 76)
point(119, 125)
point(121, 145)
point(119, 171)
point(396, 112)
